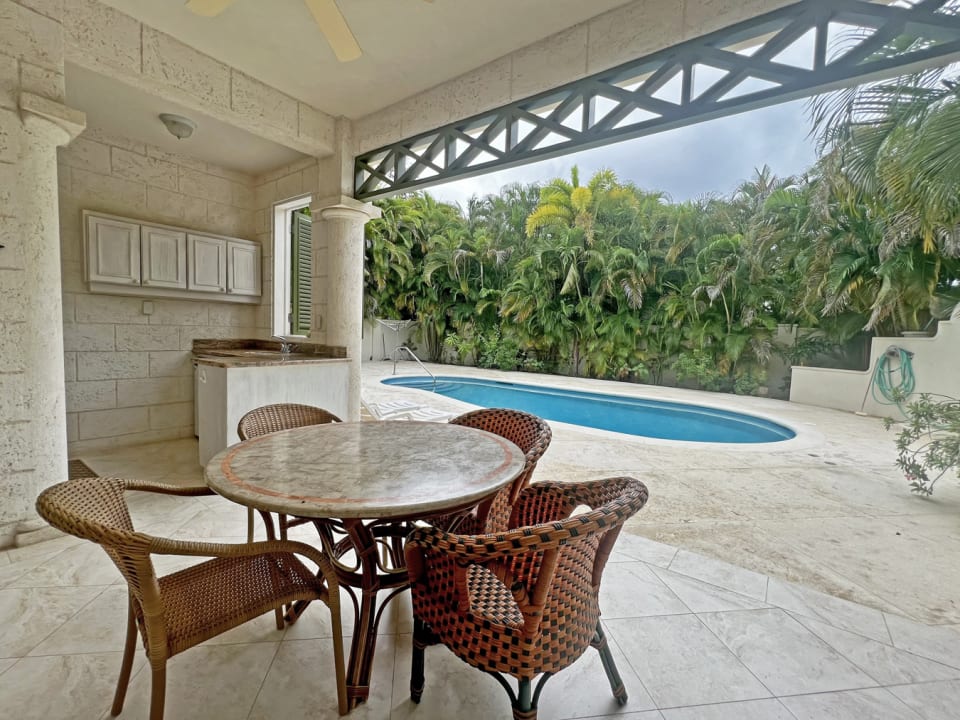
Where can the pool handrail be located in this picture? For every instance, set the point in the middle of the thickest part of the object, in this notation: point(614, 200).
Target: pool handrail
point(415, 358)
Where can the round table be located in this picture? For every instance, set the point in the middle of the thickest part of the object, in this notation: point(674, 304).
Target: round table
point(366, 480)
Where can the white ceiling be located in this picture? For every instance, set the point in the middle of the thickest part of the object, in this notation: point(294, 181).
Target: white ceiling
point(120, 109)
point(408, 45)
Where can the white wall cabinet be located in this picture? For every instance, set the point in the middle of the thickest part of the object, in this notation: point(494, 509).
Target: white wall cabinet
point(113, 251)
point(208, 264)
point(163, 257)
point(243, 268)
point(129, 257)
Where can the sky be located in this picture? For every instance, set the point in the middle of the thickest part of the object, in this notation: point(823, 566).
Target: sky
point(709, 157)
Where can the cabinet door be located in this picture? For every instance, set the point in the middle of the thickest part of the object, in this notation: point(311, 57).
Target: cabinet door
point(113, 251)
point(164, 257)
point(243, 268)
point(206, 264)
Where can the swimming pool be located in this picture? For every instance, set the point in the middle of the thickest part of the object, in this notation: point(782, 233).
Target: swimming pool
point(634, 416)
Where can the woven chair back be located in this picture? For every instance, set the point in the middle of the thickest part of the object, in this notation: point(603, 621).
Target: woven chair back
point(96, 509)
point(282, 416)
point(552, 565)
point(529, 433)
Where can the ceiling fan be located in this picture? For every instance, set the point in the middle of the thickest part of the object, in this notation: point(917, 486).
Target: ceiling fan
point(328, 16)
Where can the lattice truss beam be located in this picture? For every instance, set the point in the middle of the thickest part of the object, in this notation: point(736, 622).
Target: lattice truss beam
point(800, 50)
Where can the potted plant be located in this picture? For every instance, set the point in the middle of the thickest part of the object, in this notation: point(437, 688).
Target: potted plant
point(928, 444)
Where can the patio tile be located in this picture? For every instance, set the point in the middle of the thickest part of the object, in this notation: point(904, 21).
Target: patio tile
point(875, 704)
point(648, 715)
point(820, 606)
point(721, 574)
point(205, 682)
point(632, 590)
point(99, 627)
point(884, 564)
point(681, 662)
point(28, 615)
point(582, 690)
point(932, 701)
point(6, 664)
point(67, 687)
point(703, 597)
point(216, 523)
point(301, 683)
point(783, 654)
point(749, 710)
point(315, 621)
point(935, 643)
point(637, 547)
point(80, 565)
point(883, 662)
point(451, 688)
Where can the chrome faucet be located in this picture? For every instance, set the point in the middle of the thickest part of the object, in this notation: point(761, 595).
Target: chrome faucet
point(285, 345)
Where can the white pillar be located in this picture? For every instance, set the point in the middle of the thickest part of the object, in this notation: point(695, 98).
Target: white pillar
point(338, 225)
point(33, 435)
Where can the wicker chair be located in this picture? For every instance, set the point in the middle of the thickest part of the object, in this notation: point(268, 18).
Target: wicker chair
point(523, 602)
point(270, 419)
point(528, 432)
point(177, 611)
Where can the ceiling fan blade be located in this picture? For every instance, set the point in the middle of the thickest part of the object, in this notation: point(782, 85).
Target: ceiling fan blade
point(208, 8)
point(335, 29)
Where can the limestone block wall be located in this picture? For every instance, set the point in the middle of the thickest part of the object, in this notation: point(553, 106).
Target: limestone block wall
point(625, 33)
point(129, 377)
point(298, 179)
point(103, 39)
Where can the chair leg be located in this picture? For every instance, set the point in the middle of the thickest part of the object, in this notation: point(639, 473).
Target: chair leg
point(126, 665)
point(158, 690)
point(420, 643)
point(249, 524)
point(523, 706)
point(609, 666)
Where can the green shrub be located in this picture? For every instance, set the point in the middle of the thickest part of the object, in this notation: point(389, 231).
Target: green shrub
point(928, 446)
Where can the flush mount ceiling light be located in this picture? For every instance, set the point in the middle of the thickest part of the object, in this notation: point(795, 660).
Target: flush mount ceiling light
point(178, 125)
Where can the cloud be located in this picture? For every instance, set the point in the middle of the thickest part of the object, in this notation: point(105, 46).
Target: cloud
point(709, 157)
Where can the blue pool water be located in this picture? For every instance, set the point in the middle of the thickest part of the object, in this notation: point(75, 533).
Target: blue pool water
point(635, 416)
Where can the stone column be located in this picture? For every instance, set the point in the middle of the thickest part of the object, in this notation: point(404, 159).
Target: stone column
point(33, 435)
point(338, 227)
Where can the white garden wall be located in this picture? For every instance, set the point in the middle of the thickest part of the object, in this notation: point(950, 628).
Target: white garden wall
point(935, 364)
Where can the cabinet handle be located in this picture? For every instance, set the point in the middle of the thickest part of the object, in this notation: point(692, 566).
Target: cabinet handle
point(146, 282)
point(134, 282)
point(229, 290)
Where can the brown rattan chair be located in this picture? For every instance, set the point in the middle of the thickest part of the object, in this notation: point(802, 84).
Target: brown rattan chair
point(273, 418)
point(524, 602)
point(177, 611)
point(528, 432)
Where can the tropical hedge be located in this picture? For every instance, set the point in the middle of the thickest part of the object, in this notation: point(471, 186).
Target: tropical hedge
point(600, 277)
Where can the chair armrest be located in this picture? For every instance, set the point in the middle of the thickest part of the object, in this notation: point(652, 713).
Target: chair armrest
point(168, 546)
point(163, 488)
point(449, 556)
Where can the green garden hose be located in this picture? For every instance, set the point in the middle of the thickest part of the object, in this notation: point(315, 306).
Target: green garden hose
point(893, 379)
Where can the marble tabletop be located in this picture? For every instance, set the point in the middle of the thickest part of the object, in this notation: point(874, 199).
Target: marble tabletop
point(368, 470)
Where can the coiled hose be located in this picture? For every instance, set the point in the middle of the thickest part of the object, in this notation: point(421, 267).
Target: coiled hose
point(893, 379)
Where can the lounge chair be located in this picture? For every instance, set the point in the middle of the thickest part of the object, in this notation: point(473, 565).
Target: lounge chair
point(404, 410)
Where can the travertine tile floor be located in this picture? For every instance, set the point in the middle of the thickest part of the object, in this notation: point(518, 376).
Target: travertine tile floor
point(694, 637)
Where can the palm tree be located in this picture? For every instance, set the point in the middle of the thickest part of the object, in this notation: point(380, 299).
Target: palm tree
point(896, 148)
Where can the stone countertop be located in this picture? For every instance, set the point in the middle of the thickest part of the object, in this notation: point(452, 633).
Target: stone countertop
point(263, 353)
